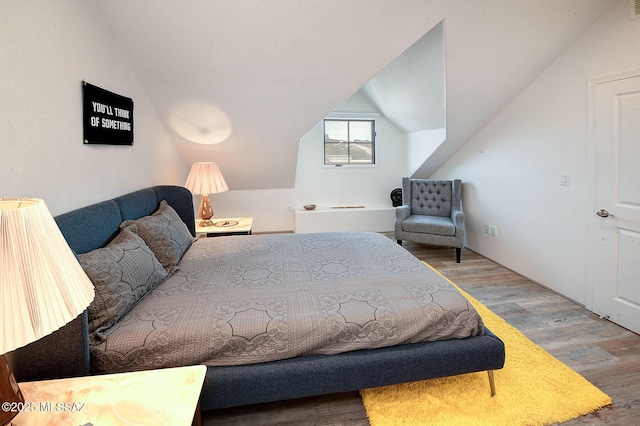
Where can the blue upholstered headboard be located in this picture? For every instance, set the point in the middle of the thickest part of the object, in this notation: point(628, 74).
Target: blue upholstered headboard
point(92, 227)
point(65, 353)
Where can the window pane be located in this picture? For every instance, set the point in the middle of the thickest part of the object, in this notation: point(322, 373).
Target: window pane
point(349, 142)
point(336, 153)
point(361, 153)
point(359, 131)
point(335, 131)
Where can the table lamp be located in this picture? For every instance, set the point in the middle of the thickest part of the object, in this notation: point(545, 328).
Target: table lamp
point(205, 178)
point(42, 285)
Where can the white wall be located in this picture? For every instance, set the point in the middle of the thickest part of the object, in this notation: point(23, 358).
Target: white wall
point(47, 49)
point(410, 91)
point(421, 145)
point(322, 185)
point(512, 167)
point(268, 207)
point(351, 185)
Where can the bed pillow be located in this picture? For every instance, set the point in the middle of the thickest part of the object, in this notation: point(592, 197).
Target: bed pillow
point(122, 273)
point(165, 233)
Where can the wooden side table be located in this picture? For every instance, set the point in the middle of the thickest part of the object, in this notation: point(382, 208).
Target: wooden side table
point(154, 397)
point(226, 226)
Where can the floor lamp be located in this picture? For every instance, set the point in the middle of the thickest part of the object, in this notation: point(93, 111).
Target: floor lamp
point(205, 178)
point(42, 285)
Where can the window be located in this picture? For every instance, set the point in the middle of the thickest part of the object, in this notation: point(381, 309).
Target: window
point(349, 142)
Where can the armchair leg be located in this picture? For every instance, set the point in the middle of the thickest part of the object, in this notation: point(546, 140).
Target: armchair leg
point(458, 251)
point(399, 242)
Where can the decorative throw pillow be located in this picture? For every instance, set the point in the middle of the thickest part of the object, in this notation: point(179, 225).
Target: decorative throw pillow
point(165, 233)
point(122, 273)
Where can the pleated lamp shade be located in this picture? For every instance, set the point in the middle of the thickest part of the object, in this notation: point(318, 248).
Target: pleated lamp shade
point(206, 178)
point(42, 285)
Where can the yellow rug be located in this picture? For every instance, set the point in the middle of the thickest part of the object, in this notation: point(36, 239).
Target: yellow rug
point(533, 388)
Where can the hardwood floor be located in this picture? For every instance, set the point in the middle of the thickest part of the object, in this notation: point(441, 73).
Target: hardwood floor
point(605, 354)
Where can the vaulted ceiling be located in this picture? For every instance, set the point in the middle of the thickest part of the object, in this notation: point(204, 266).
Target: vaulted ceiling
point(256, 75)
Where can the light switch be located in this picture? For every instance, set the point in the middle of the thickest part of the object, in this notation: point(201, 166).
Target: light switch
point(565, 179)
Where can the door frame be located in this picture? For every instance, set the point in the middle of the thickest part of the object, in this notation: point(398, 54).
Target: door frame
point(592, 83)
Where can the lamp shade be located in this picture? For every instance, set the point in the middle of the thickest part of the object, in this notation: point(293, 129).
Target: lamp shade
point(42, 285)
point(205, 178)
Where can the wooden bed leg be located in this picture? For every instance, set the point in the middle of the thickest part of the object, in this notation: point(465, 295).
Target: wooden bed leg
point(492, 382)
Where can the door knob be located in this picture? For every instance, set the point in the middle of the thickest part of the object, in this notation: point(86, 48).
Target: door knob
point(604, 213)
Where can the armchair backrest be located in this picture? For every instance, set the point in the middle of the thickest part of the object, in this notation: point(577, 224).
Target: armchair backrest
point(431, 197)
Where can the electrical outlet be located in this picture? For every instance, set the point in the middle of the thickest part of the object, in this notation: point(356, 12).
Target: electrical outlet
point(291, 208)
point(487, 228)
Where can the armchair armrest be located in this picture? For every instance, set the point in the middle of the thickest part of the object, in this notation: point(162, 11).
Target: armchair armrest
point(402, 212)
point(457, 216)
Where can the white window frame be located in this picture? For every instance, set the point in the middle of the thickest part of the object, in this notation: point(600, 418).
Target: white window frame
point(354, 116)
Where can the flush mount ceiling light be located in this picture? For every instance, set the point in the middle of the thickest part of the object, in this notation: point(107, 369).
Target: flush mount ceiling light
point(200, 122)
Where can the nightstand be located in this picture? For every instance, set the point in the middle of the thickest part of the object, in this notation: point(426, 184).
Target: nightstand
point(155, 397)
point(226, 226)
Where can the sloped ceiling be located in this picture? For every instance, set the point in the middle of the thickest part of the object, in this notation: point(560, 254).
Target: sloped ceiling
point(260, 73)
point(410, 91)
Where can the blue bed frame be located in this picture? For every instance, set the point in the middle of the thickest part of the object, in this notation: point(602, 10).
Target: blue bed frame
point(65, 353)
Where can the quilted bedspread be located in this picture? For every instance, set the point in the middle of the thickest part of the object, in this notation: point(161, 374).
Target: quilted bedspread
point(249, 299)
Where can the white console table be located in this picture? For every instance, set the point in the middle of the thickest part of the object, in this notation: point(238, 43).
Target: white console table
point(328, 219)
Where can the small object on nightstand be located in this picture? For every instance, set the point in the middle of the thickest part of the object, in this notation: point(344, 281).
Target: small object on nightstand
point(226, 226)
point(310, 207)
point(225, 223)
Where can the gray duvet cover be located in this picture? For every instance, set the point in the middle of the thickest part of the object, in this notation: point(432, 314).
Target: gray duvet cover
point(258, 298)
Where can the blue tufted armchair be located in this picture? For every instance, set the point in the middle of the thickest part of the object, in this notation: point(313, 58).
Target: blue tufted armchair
point(431, 213)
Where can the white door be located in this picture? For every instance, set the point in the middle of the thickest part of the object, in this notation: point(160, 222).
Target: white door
point(616, 169)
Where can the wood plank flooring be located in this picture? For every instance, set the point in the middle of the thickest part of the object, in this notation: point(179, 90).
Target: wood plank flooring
point(604, 353)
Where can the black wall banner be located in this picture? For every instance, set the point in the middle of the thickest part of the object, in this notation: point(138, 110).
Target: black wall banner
point(107, 117)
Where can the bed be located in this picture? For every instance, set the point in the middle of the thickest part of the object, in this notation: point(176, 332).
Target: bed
point(273, 317)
